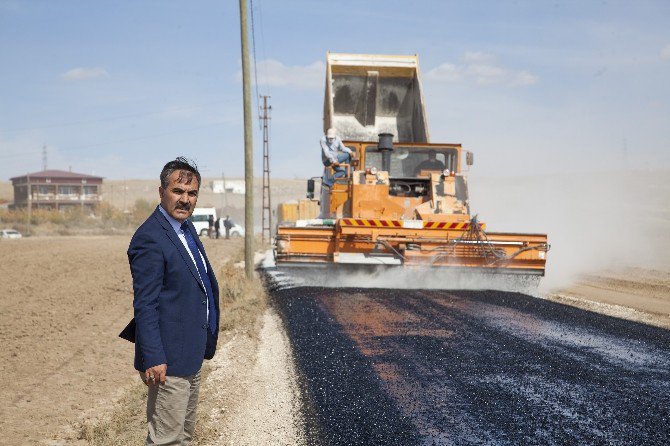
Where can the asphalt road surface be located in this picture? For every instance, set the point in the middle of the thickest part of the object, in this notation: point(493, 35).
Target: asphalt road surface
point(405, 367)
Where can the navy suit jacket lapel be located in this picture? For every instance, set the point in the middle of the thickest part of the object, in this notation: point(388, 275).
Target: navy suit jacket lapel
point(179, 245)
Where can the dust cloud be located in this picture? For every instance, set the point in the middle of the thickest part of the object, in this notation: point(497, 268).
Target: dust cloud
point(594, 221)
point(393, 277)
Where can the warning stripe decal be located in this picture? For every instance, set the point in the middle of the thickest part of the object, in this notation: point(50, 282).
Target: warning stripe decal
point(374, 223)
point(445, 225)
point(370, 223)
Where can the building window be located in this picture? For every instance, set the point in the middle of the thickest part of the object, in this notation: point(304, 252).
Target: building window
point(67, 190)
point(90, 190)
point(43, 190)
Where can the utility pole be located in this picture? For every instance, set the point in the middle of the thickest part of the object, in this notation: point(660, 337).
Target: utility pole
point(44, 157)
point(267, 202)
point(248, 147)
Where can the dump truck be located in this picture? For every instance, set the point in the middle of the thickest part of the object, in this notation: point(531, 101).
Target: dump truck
point(403, 202)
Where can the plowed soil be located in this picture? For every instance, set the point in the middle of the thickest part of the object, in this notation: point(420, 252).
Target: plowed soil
point(63, 302)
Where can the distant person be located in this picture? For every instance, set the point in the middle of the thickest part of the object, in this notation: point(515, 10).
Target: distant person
point(210, 230)
point(334, 153)
point(217, 227)
point(432, 163)
point(176, 302)
point(228, 225)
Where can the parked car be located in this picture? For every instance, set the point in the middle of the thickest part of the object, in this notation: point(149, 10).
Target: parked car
point(235, 231)
point(200, 219)
point(10, 233)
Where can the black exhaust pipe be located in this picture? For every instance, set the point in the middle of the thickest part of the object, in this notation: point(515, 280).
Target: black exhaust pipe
point(385, 141)
point(385, 146)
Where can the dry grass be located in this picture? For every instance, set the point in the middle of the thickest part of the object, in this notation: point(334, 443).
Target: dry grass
point(242, 303)
point(108, 220)
point(125, 425)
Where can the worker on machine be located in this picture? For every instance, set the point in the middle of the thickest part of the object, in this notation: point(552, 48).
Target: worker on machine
point(432, 163)
point(334, 153)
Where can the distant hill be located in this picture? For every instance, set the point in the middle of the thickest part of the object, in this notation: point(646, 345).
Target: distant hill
point(232, 204)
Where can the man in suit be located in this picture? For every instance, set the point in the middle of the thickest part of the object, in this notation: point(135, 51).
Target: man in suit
point(176, 302)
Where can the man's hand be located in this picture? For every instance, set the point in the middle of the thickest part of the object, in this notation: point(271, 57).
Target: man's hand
point(335, 164)
point(155, 375)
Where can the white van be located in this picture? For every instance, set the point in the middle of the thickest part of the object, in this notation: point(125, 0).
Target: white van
point(200, 219)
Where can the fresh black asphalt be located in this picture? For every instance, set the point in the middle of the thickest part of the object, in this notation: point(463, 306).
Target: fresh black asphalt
point(473, 367)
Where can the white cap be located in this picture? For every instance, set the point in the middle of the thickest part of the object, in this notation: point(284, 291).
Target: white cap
point(331, 133)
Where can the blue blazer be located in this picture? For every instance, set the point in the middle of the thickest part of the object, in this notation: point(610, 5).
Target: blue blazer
point(170, 301)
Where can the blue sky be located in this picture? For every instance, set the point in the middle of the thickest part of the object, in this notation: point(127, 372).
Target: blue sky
point(118, 88)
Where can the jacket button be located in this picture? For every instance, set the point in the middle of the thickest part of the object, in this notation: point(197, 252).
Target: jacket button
point(204, 302)
point(204, 326)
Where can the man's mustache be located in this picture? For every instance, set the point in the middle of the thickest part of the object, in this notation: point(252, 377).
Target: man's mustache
point(183, 206)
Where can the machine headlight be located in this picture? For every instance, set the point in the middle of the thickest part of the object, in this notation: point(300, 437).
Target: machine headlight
point(446, 173)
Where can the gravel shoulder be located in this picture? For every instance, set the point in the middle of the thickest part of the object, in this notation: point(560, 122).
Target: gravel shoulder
point(254, 385)
point(637, 294)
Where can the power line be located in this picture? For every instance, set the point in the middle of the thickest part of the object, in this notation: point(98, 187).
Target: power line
point(260, 16)
point(264, 53)
point(114, 118)
point(253, 44)
point(22, 154)
point(119, 141)
point(140, 138)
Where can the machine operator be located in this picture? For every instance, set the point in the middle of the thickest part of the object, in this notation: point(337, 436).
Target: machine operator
point(334, 153)
point(432, 163)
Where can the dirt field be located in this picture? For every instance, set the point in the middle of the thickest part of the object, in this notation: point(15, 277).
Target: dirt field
point(65, 299)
